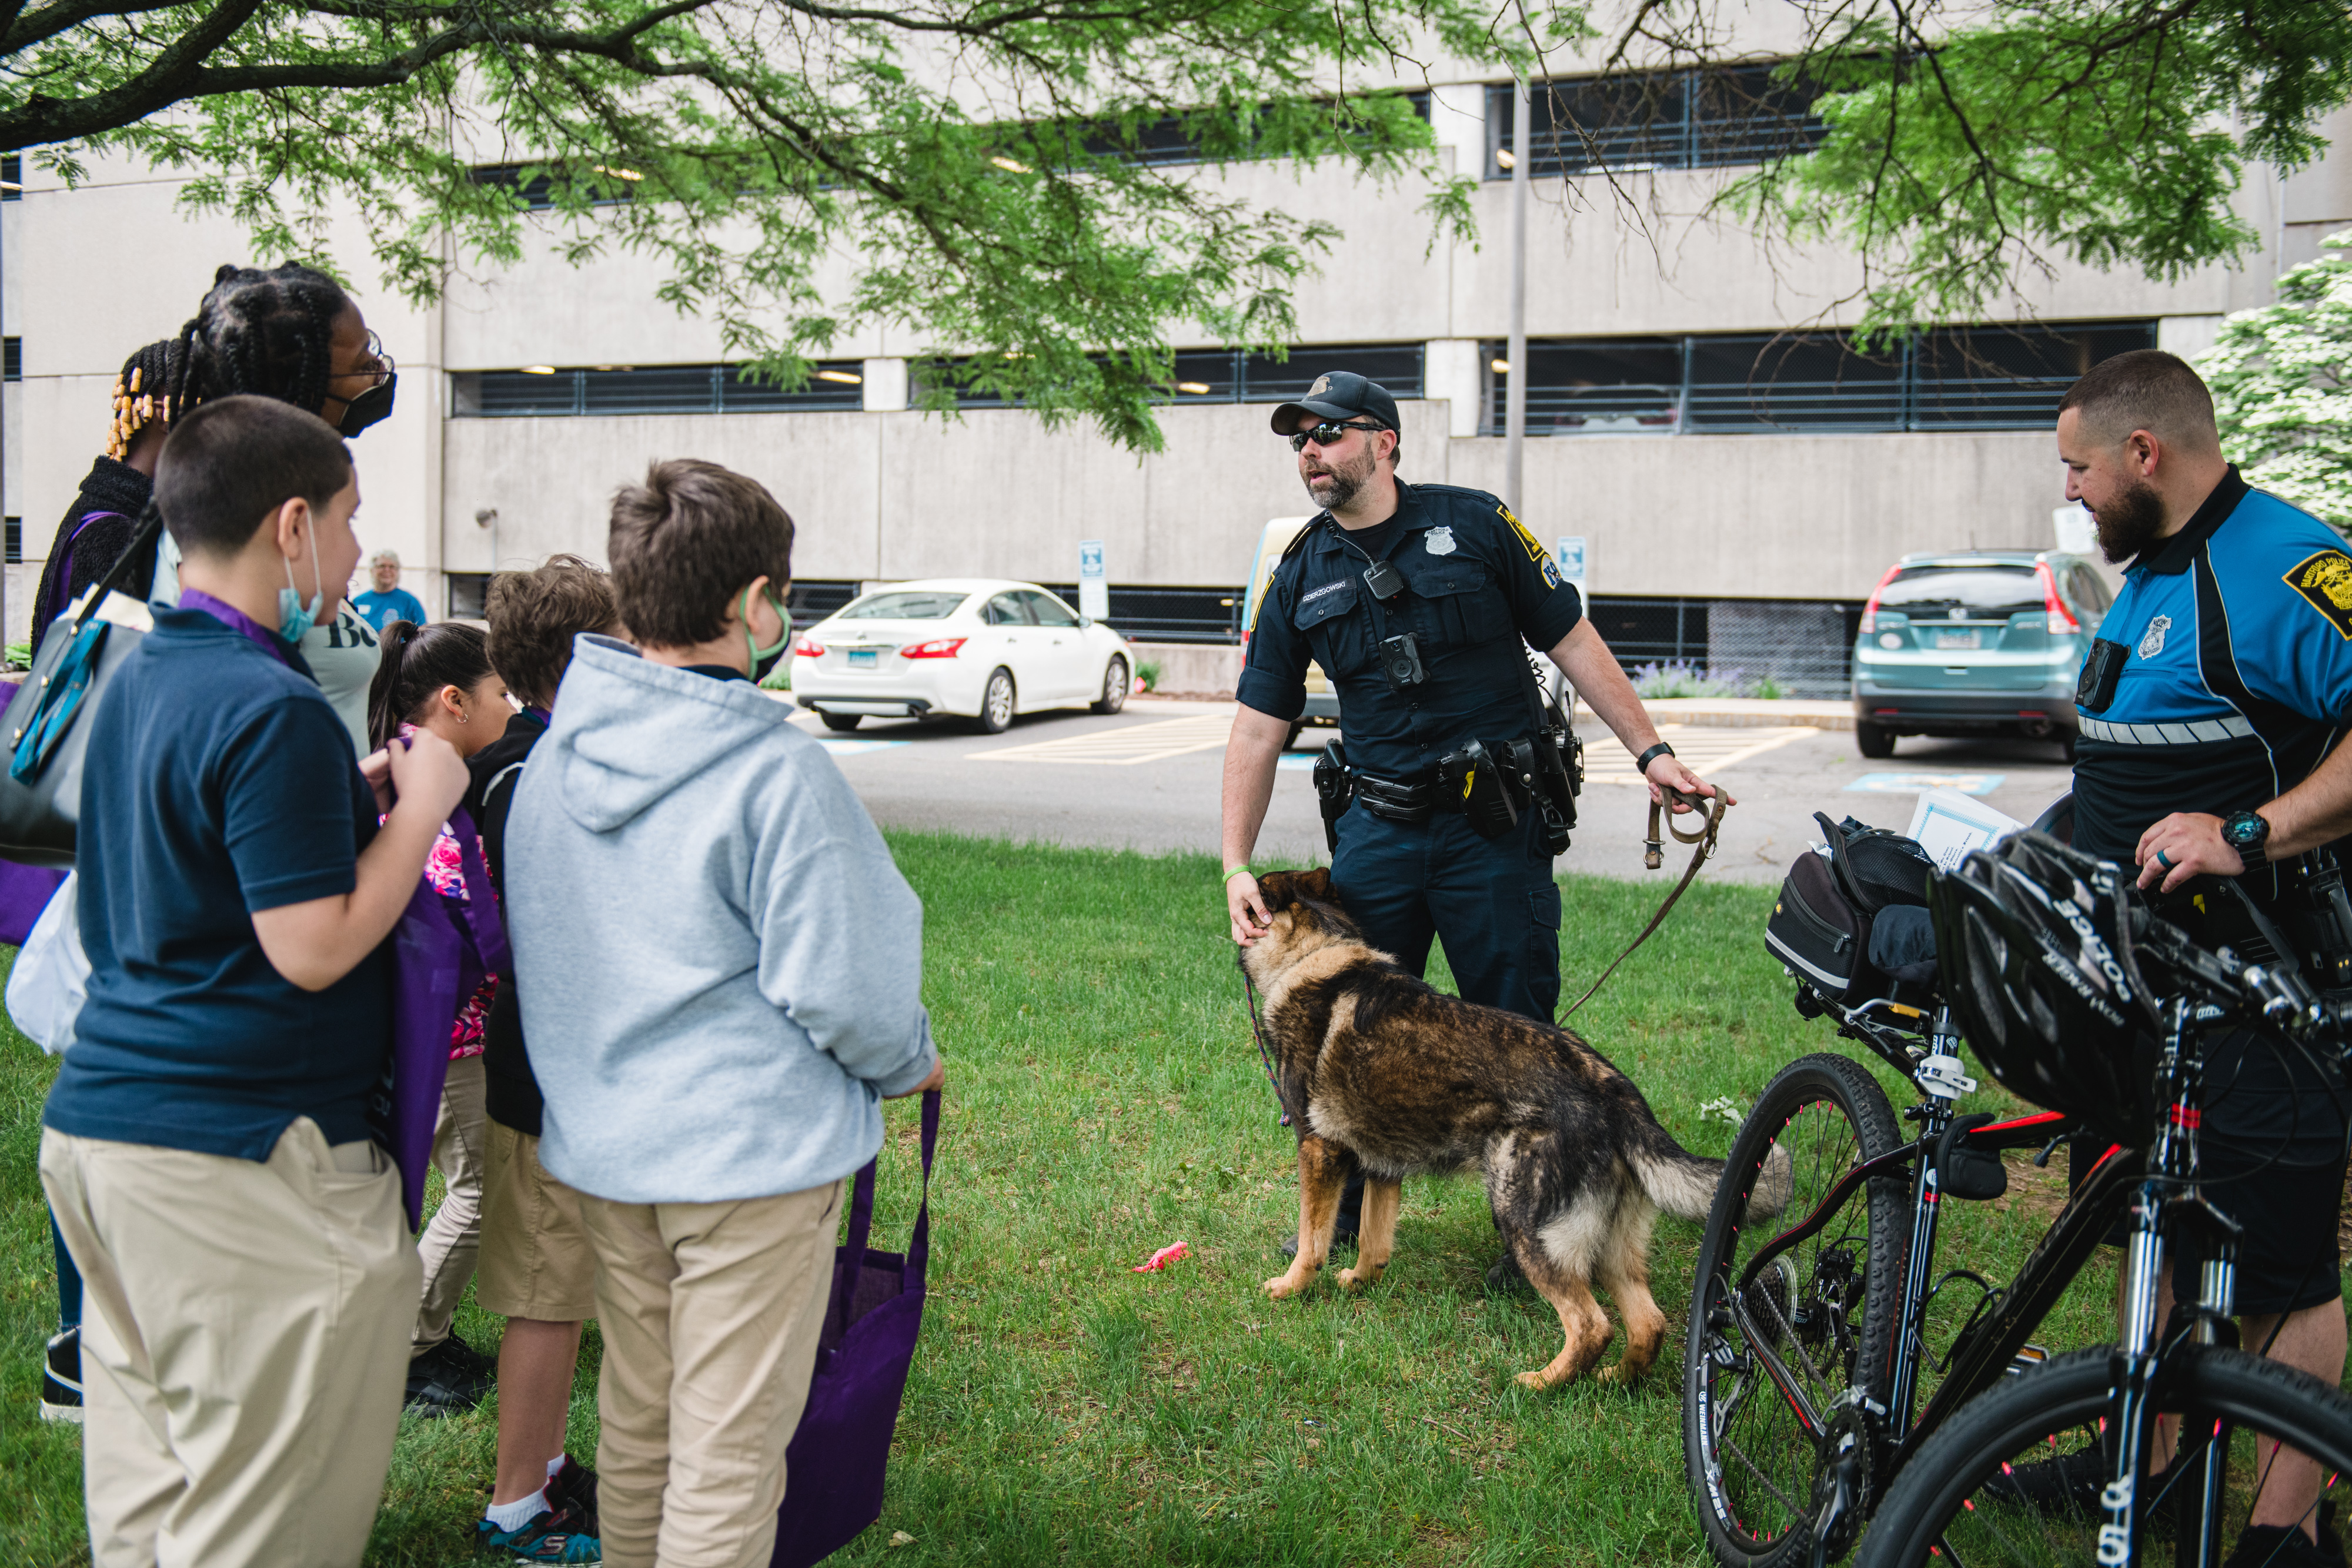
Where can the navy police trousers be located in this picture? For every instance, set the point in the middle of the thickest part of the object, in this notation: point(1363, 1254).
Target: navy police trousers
point(1491, 900)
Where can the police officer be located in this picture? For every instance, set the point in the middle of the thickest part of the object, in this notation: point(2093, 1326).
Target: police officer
point(2220, 680)
point(1415, 599)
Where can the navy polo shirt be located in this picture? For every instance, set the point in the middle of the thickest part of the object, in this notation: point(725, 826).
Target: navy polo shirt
point(217, 782)
point(2234, 639)
point(1476, 583)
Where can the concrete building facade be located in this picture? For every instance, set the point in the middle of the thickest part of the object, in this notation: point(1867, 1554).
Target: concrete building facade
point(1765, 499)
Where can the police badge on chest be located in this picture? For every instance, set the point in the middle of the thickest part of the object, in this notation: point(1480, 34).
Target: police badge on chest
point(2153, 643)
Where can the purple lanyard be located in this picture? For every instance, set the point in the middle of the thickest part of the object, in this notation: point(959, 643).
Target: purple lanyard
point(236, 620)
point(540, 714)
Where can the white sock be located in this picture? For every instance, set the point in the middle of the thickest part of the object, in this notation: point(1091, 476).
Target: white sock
point(555, 1466)
point(511, 1517)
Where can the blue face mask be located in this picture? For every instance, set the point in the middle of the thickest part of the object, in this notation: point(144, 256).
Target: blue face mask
point(294, 618)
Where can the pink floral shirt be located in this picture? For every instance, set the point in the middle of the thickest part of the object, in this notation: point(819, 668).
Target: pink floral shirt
point(445, 869)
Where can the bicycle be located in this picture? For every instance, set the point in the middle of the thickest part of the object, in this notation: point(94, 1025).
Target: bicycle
point(1805, 1351)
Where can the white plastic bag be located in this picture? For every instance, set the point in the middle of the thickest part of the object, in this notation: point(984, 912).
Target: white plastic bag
point(47, 988)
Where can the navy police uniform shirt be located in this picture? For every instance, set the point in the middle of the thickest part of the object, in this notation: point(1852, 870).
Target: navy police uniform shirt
point(1476, 582)
point(217, 783)
point(2232, 644)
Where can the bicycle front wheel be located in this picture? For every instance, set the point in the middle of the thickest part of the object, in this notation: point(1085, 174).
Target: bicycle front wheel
point(2014, 1478)
point(1820, 1312)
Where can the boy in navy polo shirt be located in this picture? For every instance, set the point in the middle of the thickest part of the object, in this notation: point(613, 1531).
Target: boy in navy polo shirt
point(250, 1283)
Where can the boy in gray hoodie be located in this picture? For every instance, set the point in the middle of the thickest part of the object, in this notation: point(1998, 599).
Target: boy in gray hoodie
point(725, 981)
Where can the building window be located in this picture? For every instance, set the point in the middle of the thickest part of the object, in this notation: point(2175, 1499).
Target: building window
point(1707, 118)
point(469, 593)
point(538, 193)
point(1953, 378)
point(16, 526)
point(12, 359)
point(11, 177)
point(546, 390)
point(1166, 141)
point(1239, 375)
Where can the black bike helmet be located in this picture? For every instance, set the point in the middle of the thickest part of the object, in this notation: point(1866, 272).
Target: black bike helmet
point(2035, 941)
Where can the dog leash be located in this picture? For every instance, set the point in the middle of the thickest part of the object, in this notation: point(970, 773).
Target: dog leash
point(1257, 1033)
point(1653, 856)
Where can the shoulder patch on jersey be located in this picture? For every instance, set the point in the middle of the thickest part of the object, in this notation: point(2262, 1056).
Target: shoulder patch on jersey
point(1536, 552)
point(2325, 581)
point(1550, 572)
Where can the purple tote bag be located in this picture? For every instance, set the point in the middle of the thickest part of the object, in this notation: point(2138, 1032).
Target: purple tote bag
point(437, 964)
point(834, 1469)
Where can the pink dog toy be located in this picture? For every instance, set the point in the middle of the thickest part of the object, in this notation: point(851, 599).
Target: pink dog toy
point(1161, 1258)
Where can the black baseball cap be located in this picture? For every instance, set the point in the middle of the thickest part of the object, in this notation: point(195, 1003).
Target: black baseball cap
point(1339, 395)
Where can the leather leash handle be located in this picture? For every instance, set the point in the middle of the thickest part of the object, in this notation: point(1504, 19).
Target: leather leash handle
point(1703, 837)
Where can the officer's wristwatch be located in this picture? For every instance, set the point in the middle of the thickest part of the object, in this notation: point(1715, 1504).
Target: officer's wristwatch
point(2249, 833)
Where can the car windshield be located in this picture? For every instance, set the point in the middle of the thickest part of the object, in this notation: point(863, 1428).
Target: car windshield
point(912, 605)
point(1978, 590)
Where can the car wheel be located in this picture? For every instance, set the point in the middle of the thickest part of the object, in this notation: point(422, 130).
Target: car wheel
point(1875, 740)
point(841, 721)
point(1114, 686)
point(996, 704)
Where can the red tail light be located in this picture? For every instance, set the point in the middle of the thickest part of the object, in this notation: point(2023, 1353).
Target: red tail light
point(1870, 611)
point(808, 648)
point(938, 648)
point(2062, 619)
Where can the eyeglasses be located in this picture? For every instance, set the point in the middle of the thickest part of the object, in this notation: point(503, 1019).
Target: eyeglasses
point(376, 365)
point(1329, 434)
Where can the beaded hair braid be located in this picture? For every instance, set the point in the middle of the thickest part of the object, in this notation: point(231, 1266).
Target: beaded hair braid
point(140, 395)
point(268, 334)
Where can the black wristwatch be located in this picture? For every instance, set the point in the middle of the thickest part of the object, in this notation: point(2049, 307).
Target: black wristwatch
point(2249, 833)
point(1642, 763)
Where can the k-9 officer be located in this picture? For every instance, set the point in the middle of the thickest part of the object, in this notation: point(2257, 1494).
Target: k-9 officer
point(1414, 598)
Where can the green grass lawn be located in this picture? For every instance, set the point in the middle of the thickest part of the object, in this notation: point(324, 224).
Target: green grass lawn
point(1104, 1100)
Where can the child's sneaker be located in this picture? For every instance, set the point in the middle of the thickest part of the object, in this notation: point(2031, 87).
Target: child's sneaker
point(554, 1537)
point(61, 1378)
point(573, 1487)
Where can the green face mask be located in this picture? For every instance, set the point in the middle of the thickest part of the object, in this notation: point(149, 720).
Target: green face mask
point(764, 659)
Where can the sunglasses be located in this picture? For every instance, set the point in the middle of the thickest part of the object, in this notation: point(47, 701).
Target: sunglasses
point(1329, 434)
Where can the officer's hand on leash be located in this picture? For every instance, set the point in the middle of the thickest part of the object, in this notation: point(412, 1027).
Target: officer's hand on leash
point(1247, 906)
point(2186, 845)
point(1664, 770)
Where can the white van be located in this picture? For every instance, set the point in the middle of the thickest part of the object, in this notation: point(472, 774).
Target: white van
point(1322, 702)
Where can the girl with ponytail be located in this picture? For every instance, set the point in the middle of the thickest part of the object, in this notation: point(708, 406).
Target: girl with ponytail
point(439, 677)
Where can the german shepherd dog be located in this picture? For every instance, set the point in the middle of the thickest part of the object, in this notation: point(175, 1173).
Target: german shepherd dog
point(1382, 1073)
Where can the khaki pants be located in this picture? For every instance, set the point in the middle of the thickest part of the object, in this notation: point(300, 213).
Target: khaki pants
point(710, 1313)
point(244, 1346)
point(453, 1236)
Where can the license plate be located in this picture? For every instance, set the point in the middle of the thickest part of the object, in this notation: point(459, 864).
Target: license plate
point(1943, 639)
point(868, 658)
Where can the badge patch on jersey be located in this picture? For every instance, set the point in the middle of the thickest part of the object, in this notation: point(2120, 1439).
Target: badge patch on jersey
point(2325, 581)
point(1550, 572)
point(1438, 541)
point(1536, 552)
point(2153, 643)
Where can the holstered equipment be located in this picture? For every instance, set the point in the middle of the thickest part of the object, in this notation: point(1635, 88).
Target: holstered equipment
point(1481, 788)
point(1333, 791)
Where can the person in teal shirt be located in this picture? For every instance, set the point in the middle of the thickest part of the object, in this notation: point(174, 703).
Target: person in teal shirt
point(387, 602)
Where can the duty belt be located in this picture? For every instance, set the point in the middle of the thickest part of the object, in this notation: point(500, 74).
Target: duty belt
point(1397, 802)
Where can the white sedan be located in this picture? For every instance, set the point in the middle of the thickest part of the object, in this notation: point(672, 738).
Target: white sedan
point(976, 648)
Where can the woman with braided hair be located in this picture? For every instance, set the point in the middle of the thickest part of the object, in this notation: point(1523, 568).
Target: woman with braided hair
point(291, 334)
point(99, 525)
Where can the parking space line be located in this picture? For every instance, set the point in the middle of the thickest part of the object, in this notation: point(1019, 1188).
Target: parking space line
point(1125, 746)
point(1702, 749)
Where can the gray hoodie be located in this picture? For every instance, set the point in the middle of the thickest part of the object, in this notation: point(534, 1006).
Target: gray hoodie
point(720, 966)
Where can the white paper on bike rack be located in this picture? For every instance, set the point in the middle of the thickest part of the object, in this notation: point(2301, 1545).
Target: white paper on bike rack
point(1949, 824)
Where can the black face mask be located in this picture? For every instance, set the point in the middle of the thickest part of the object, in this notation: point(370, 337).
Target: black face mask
point(372, 406)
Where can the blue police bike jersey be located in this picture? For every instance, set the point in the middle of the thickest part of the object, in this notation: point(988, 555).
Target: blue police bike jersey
point(2222, 674)
point(1476, 582)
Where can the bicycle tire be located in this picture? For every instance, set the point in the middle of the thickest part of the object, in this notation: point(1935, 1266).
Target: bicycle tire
point(1753, 1504)
point(1940, 1498)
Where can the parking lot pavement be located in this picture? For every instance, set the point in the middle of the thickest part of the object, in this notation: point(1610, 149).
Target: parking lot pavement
point(1148, 780)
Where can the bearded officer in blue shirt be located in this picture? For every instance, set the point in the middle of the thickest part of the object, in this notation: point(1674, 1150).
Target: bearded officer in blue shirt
point(2211, 705)
point(1419, 602)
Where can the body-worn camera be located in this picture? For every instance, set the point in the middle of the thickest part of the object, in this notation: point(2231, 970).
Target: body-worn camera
point(1401, 661)
point(1334, 792)
point(2095, 687)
